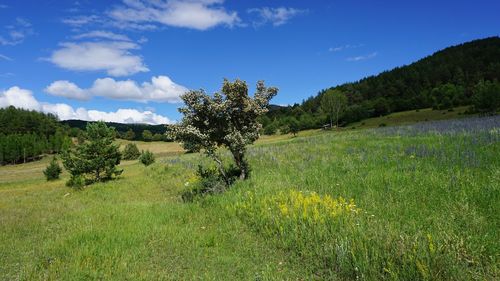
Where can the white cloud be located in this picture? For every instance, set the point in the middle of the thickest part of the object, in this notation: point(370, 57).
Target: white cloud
point(344, 47)
point(23, 98)
point(275, 16)
point(360, 58)
point(18, 97)
point(102, 34)
point(194, 14)
point(113, 57)
point(3, 57)
point(16, 33)
point(79, 21)
point(63, 88)
point(160, 89)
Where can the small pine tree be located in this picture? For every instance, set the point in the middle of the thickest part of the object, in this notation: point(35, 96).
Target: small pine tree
point(53, 170)
point(131, 152)
point(95, 160)
point(147, 158)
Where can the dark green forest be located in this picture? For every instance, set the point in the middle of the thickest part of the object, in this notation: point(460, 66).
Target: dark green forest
point(128, 131)
point(25, 135)
point(466, 74)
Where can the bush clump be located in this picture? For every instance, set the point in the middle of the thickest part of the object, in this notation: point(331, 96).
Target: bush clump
point(77, 181)
point(53, 170)
point(131, 152)
point(209, 181)
point(147, 158)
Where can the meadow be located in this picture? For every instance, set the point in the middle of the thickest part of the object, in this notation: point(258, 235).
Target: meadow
point(419, 202)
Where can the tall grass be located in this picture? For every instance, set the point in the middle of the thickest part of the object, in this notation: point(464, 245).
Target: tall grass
point(429, 196)
point(405, 203)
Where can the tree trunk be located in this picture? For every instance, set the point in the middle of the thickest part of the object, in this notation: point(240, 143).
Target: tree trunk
point(220, 167)
point(240, 163)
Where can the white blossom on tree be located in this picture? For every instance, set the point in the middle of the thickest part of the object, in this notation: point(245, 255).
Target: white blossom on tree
point(227, 119)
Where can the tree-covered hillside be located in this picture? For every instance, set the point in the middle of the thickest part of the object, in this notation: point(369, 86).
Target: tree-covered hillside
point(447, 78)
point(128, 131)
point(25, 135)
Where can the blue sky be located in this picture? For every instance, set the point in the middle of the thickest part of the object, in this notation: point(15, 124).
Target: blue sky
point(128, 61)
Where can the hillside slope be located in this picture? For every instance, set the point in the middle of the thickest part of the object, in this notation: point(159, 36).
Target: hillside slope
point(443, 80)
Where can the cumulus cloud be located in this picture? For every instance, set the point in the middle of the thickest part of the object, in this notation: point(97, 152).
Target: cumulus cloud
point(23, 98)
point(365, 57)
point(113, 57)
point(63, 88)
point(160, 89)
point(194, 14)
point(274, 16)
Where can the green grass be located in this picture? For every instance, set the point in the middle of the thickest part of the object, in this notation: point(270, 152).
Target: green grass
point(430, 210)
point(410, 117)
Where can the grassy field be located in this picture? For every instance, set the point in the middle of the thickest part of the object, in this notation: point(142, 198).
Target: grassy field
point(411, 117)
point(402, 203)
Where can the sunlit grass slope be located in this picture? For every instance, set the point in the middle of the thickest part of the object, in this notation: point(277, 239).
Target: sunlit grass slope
point(410, 203)
point(411, 117)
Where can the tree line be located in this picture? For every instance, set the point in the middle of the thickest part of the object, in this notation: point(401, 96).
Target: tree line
point(135, 132)
point(26, 135)
point(466, 74)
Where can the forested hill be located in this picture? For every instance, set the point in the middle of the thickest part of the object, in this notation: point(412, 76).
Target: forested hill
point(442, 80)
point(127, 131)
point(25, 135)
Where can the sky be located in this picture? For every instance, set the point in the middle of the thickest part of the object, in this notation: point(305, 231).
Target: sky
point(129, 61)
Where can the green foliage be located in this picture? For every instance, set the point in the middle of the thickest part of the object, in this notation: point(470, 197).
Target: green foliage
point(123, 129)
point(129, 135)
point(53, 170)
point(334, 103)
point(270, 129)
point(77, 181)
point(160, 137)
point(447, 96)
point(228, 119)
point(26, 135)
point(486, 98)
point(131, 152)
point(147, 158)
point(293, 126)
point(96, 159)
point(147, 135)
point(208, 181)
point(20, 121)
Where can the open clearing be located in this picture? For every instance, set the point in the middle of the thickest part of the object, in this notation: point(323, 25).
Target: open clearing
point(429, 208)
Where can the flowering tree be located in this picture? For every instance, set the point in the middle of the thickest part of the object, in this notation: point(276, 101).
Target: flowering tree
point(227, 119)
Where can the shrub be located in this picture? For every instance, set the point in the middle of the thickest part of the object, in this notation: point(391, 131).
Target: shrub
point(147, 158)
point(209, 181)
point(131, 152)
point(76, 181)
point(53, 170)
